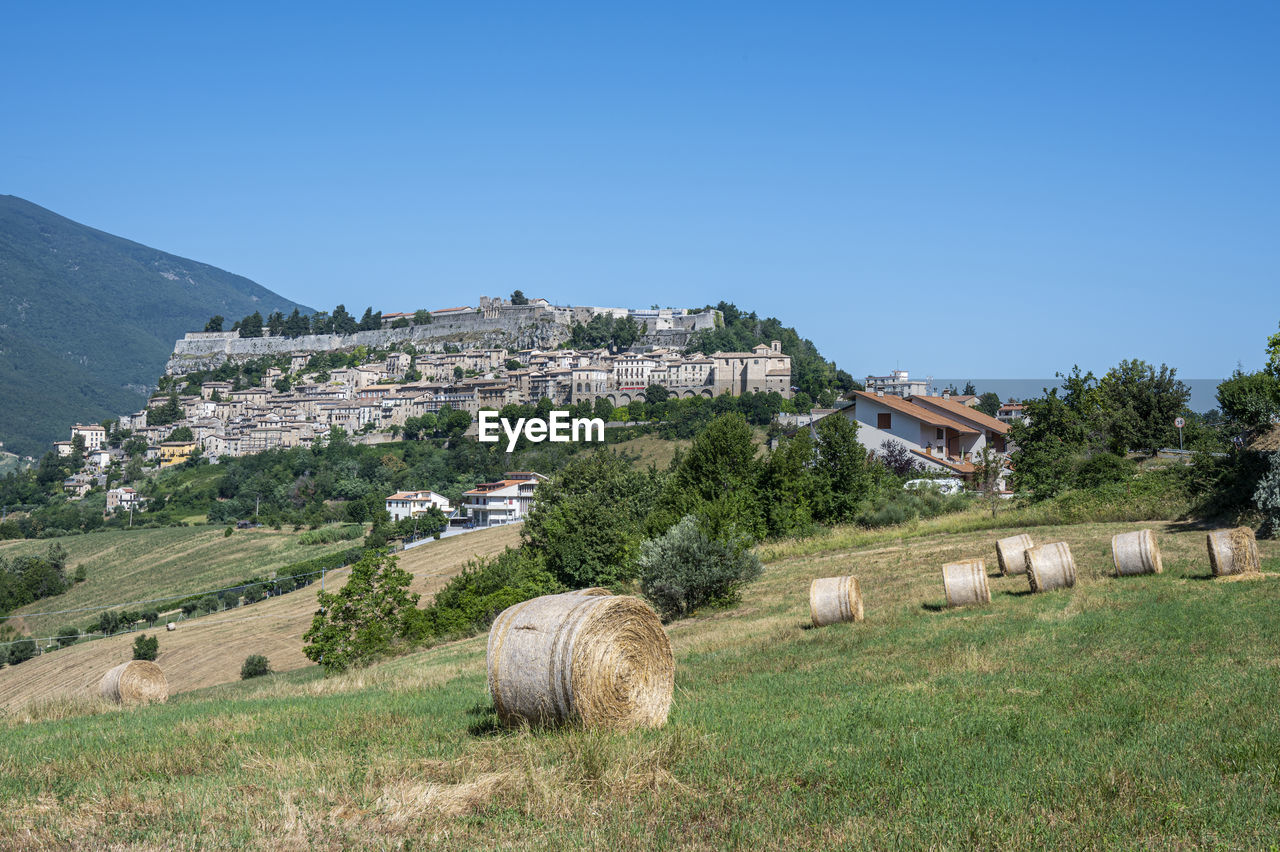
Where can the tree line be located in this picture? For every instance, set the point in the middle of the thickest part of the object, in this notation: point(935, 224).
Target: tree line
point(298, 324)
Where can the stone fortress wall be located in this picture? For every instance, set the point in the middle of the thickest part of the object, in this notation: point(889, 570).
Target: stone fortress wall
point(496, 324)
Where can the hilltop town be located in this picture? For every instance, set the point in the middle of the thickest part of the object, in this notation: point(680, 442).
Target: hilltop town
point(453, 359)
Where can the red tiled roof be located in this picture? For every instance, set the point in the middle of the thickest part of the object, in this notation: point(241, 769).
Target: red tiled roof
point(959, 409)
point(919, 412)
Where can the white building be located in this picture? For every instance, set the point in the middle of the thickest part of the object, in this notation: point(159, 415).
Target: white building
point(940, 433)
point(406, 504)
point(897, 383)
point(502, 502)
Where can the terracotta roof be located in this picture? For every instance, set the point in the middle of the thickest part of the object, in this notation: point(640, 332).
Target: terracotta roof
point(958, 467)
point(959, 409)
point(919, 412)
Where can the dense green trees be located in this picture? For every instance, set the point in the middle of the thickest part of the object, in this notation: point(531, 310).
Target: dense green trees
point(27, 579)
point(1079, 437)
point(616, 333)
point(588, 521)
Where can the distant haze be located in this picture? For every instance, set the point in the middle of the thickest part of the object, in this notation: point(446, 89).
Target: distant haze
point(1204, 392)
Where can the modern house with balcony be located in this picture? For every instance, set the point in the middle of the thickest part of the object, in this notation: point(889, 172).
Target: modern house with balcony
point(503, 502)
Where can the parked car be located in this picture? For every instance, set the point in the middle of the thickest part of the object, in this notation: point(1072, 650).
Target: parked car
point(945, 486)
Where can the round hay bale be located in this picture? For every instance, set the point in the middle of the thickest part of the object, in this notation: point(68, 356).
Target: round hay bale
point(1136, 553)
point(965, 583)
point(1233, 552)
point(1009, 551)
point(603, 660)
point(594, 591)
point(833, 600)
point(134, 682)
point(171, 626)
point(1050, 566)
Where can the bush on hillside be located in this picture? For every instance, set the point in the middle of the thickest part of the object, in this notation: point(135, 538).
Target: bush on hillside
point(255, 665)
point(485, 588)
point(146, 647)
point(331, 534)
point(68, 635)
point(21, 651)
point(685, 569)
point(1267, 495)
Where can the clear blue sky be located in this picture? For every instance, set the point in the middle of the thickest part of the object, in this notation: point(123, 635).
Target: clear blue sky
point(992, 190)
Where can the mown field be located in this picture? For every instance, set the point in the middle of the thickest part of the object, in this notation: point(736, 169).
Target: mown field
point(129, 565)
point(1134, 713)
point(210, 649)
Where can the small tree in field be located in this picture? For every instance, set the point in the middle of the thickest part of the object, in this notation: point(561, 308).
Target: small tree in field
point(255, 665)
point(146, 647)
point(684, 569)
point(367, 619)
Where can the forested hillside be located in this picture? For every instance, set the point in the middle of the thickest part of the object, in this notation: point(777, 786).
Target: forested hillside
point(87, 320)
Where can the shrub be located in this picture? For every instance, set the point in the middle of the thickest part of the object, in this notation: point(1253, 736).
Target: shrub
point(470, 602)
point(253, 593)
point(1267, 495)
point(146, 647)
point(21, 651)
point(685, 569)
point(68, 635)
point(330, 534)
point(255, 665)
point(1103, 469)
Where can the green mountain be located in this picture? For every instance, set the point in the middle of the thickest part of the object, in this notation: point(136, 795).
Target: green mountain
point(87, 320)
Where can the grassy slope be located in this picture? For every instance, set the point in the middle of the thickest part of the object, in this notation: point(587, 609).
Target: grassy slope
point(1132, 713)
point(209, 650)
point(129, 565)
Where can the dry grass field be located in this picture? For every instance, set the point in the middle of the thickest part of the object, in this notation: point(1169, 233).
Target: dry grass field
point(210, 650)
point(1123, 713)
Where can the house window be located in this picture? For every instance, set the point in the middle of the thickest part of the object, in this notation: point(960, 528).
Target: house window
point(939, 434)
point(884, 420)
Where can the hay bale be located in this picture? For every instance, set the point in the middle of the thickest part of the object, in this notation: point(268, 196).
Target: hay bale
point(833, 600)
point(603, 660)
point(1009, 551)
point(171, 626)
point(1136, 553)
point(1233, 552)
point(134, 682)
point(594, 591)
point(1050, 566)
point(965, 583)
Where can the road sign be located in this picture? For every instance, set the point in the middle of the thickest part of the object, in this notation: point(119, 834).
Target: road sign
point(1179, 422)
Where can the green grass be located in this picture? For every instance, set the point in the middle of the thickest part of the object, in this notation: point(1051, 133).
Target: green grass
point(127, 565)
point(1135, 713)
